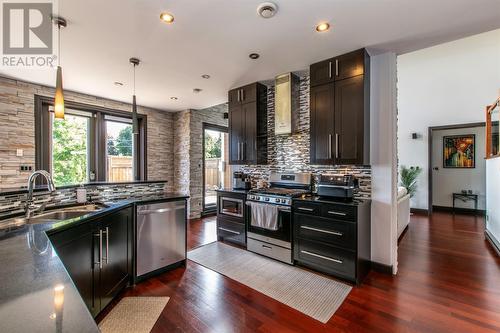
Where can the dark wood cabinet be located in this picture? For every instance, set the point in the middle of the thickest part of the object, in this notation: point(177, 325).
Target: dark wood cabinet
point(248, 124)
point(322, 123)
point(116, 268)
point(333, 238)
point(98, 256)
point(231, 215)
point(340, 110)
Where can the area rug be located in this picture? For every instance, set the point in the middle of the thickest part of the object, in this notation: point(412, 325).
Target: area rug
point(134, 315)
point(312, 294)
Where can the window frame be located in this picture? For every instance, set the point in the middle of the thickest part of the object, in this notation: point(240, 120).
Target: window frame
point(97, 146)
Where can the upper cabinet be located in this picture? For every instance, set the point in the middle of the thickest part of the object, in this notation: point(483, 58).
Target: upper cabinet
point(340, 110)
point(338, 68)
point(248, 124)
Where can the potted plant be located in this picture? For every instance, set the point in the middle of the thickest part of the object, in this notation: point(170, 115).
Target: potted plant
point(409, 178)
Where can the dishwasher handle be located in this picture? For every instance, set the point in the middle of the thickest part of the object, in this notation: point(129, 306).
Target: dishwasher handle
point(158, 211)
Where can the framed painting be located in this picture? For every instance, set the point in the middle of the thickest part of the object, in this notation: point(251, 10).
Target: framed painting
point(459, 151)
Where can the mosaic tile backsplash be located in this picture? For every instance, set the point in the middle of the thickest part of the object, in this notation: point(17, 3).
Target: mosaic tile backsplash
point(14, 203)
point(291, 152)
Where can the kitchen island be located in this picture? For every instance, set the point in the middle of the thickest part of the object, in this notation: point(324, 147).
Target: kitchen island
point(38, 294)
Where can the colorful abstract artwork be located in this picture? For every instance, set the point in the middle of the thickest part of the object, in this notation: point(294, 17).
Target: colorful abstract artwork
point(459, 151)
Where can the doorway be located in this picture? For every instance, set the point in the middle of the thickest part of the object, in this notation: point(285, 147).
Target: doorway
point(215, 167)
point(457, 170)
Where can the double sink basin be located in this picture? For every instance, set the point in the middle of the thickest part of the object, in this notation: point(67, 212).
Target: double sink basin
point(53, 215)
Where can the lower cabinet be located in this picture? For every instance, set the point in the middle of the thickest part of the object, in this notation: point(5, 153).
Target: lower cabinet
point(333, 238)
point(98, 256)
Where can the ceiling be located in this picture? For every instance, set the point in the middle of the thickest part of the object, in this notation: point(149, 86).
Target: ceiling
point(215, 37)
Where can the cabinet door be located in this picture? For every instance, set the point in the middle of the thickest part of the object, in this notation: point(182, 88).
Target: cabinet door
point(249, 93)
point(322, 123)
point(234, 96)
point(249, 152)
point(349, 65)
point(349, 120)
point(116, 254)
point(236, 133)
point(75, 249)
point(321, 72)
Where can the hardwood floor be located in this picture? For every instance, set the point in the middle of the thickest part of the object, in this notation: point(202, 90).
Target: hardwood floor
point(202, 231)
point(448, 281)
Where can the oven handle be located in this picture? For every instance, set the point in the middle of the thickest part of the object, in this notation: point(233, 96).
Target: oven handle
point(283, 209)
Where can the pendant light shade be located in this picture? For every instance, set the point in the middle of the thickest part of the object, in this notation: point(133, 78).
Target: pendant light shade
point(135, 122)
point(59, 96)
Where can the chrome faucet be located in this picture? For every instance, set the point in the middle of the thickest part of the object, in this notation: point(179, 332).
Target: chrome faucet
point(30, 208)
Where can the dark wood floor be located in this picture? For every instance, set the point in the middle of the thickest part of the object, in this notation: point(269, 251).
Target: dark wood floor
point(448, 281)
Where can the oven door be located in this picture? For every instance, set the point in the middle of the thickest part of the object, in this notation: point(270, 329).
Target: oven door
point(231, 206)
point(284, 225)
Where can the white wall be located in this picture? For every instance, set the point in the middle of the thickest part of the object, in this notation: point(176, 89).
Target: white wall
point(446, 84)
point(450, 180)
point(383, 151)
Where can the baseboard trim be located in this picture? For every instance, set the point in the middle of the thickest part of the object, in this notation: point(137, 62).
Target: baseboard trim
point(467, 211)
point(419, 211)
point(493, 241)
point(382, 268)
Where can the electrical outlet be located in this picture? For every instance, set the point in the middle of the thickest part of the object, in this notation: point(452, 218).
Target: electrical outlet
point(19, 153)
point(25, 168)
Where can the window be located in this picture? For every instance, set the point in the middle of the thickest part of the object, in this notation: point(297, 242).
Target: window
point(119, 150)
point(91, 144)
point(70, 148)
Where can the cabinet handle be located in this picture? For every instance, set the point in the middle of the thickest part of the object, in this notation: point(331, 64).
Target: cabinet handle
point(336, 213)
point(336, 67)
point(243, 151)
point(306, 209)
point(267, 247)
point(106, 258)
point(239, 95)
point(336, 233)
point(242, 95)
point(99, 262)
point(231, 231)
point(330, 69)
point(239, 152)
point(329, 146)
point(336, 145)
point(322, 257)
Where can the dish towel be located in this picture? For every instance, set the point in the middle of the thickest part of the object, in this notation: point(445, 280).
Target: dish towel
point(264, 216)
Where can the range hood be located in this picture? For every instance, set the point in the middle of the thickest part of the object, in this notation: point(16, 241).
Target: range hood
point(286, 104)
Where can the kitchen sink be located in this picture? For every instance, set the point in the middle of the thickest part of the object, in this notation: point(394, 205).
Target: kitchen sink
point(52, 216)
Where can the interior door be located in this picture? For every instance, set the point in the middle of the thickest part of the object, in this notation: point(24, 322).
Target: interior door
point(349, 121)
point(322, 124)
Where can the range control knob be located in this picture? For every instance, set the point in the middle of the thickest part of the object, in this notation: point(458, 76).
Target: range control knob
point(267, 199)
point(257, 198)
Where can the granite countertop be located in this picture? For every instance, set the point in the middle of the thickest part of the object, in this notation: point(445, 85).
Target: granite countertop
point(31, 273)
point(315, 198)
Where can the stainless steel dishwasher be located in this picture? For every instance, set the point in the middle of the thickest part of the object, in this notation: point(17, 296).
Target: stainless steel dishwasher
point(161, 235)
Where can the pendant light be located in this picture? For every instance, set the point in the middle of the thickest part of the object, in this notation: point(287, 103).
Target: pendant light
point(59, 95)
point(135, 123)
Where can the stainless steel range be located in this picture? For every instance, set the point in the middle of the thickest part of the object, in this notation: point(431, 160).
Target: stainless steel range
point(269, 216)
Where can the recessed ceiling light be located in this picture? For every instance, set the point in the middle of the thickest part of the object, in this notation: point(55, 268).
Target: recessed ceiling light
point(118, 84)
point(197, 90)
point(254, 56)
point(167, 17)
point(205, 76)
point(173, 98)
point(322, 27)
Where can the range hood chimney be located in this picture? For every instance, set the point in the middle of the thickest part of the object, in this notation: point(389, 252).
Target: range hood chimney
point(286, 104)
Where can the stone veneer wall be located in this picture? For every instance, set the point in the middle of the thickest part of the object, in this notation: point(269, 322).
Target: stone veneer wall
point(291, 152)
point(17, 131)
point(188, 140)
